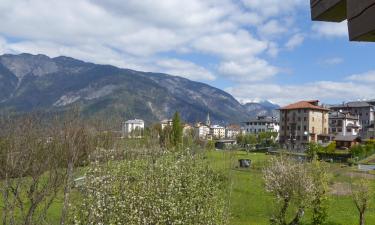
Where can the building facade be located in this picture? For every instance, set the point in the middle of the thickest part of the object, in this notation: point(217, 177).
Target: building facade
point(201, 131)
point(165, 123)
point(217, 132)
point(344, 124)
point(133, 128)
point(364, 111)
point(232, 131)
point(261, 124)
point(303, 122)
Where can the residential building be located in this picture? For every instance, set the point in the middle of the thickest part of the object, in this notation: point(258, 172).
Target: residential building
point(261, 124)
point(347, 141)
point(165, 123)
point(133, 128)
point(186, 129)
point(217, 132)
point(232, 131)
point(344, 123)
point(364, 110)
point(202, 131)
point(303, 122)
point(360, 15)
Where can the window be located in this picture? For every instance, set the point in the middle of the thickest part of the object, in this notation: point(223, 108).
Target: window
point(299, 128)
point(304, 128)
point(313, 130)
point(305, 110)
point(299, 118)
point(287, 127)
point(304, 118)
point(299, 111)
point(313, 119)
point(333, 130)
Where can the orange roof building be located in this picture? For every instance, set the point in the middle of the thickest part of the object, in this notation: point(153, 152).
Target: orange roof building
point(303, 122)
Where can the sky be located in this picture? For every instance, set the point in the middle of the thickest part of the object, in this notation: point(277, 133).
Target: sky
point(253, 49)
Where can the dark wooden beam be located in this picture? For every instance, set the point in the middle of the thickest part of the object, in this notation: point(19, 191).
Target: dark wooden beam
point(361, 20)
point(328, 10)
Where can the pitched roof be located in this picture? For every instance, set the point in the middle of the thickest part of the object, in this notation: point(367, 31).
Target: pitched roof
point(357, 104)
point(347, 138)
point(313, 104)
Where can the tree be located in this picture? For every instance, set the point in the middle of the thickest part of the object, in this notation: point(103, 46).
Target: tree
point(319, 192)
point(176, 130)
point(290, 182)
point(361, 194)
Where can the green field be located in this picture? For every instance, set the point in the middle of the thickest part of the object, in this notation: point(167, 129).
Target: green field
point(248, 202)
point(251, 205)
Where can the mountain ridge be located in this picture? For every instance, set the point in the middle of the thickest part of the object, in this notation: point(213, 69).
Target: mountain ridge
point(37, 82)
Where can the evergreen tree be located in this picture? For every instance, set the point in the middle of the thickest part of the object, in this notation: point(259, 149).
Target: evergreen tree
point(176, 129)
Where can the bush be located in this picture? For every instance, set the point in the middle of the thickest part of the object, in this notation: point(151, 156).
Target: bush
point(173, 188)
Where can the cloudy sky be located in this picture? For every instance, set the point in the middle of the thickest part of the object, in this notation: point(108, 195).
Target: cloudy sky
point(254, 49)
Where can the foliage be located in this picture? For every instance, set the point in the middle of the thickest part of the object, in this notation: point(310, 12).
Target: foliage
point(176, 130)
point(363, 151)
point(320, 192)
point(168, 188)
point(361, 194)
point(303, 185)
point(313, 149)
point(290, 182)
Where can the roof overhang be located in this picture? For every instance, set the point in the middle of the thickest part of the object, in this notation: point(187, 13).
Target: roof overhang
point(359, 13)
point(361, 20)
point(328, 10)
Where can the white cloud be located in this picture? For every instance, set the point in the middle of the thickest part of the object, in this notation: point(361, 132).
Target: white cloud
point(231, 45)
point(332, 61)
point(326, 91)
point(328, 30)
point(185, 68)
point(247, 70)
point(272, 28)
point(141, 34)
point(363, 77)
point(269, 8)
point(295, 41)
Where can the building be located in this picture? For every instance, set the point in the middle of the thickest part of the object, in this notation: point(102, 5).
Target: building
point(344, 123)
point(217, 132)
point(261, 124)
point(187, 129)
point(133, 128)
point(165, 123)
point(303, 122)
point(347, 141)
point(201, 131)
point(360, 15)
point(232, 131)
point(364, 110)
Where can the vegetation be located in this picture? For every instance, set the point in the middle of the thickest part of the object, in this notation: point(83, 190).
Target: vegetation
point(361, 193)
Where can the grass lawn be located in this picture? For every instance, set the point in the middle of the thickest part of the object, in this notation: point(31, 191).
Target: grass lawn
point(251, 205)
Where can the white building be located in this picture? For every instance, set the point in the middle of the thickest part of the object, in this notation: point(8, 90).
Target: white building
point(165, 123)
point(133, 128)
point(202, 131)
point(261, 124)
point(343, 123)
point(217, 132)
point(232, 131)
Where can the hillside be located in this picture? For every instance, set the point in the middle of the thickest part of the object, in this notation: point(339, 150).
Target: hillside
point(38, 82)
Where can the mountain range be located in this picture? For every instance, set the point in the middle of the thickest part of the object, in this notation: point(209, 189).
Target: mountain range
point(38, 82)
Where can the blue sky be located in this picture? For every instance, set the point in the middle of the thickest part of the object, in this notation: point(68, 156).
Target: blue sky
point(254, 49)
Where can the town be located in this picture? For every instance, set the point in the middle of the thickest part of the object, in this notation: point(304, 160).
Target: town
point(346, 124)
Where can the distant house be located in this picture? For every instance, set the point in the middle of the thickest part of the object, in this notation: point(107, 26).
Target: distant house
point(201, 131)
point(232, 131)
point(186, 129)
point(165, 123)
point(261, 124)
point(133, 128)
point(217, 132)
point(344, 123)
point(363, 109)
point(346, 141)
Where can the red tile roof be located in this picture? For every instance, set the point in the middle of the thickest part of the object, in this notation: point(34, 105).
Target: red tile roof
point(313, 104)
